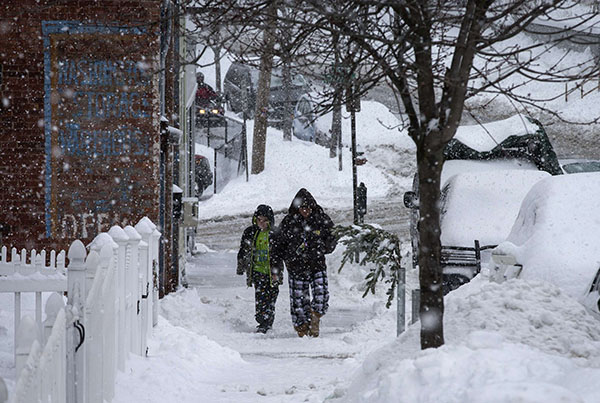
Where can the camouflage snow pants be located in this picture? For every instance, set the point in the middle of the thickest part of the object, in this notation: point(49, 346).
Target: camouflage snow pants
point(265, 297)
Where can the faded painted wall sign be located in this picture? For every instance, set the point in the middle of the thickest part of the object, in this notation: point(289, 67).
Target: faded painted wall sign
point(101, 138)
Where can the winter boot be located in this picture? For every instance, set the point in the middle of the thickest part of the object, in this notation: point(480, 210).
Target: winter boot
point(302, 330)
point(313, 330)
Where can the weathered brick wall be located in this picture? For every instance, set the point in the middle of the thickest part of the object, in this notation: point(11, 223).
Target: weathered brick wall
point(79, 125)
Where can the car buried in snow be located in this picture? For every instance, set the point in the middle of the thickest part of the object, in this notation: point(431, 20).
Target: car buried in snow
point(488, 169)
point(555, 238)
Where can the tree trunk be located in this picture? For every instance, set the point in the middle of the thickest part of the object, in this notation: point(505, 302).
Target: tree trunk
point(288, 105)
point(338, 96)
point(429, 166)
point(217, 52)
point(336, 123)
point(259, 142)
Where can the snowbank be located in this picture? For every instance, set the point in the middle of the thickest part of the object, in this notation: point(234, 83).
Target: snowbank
point(290, 166)
point(516, 341)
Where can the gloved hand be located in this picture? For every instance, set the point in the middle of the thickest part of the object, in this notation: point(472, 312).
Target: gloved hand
point(249, 281)
point(239, 271)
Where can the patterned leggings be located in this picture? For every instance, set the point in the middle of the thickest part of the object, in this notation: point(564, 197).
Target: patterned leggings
point(300, 301)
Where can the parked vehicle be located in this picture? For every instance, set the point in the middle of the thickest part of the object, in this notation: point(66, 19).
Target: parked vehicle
point(304, 120)
point(477, 213)
point(202, 174)
point(241, 76)
point(555, 238)
point(514, 144)
point(574, 166)
point(304, 126)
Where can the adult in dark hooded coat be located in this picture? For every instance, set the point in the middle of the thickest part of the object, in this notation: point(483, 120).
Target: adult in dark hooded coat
point(262, 268)
point(304, 238)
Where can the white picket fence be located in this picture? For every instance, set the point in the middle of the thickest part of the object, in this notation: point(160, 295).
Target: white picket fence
point(75, 353)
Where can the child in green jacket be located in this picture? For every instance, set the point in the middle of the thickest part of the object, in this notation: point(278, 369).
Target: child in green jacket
point(262, 268)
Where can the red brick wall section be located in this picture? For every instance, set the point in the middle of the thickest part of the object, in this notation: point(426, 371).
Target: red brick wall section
point(106, 171)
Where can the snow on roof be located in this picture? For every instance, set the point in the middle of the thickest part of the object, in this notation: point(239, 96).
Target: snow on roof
point(484, 205)
point(486, 137)
point(555, 236)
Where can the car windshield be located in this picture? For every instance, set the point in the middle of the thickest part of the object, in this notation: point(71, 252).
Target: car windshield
point(578, 167)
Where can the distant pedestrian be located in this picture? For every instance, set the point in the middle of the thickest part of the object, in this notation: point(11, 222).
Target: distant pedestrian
point(205, 93)
point(304, 238)
point(261, 266)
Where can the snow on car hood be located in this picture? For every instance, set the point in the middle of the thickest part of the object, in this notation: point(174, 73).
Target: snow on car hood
point(556, 234)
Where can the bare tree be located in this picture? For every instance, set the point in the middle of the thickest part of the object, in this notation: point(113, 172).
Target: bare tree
point(261, 112)
point(436, 55)
point(427, 50)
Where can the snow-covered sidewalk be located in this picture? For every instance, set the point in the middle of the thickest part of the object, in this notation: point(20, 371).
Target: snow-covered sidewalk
point(517, 341)
point(205, 348)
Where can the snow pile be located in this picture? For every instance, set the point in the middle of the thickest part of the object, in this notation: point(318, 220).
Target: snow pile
point(178, 359)
point(290, 166)
point(515, 341)
point(555, 236)
point(551, 96)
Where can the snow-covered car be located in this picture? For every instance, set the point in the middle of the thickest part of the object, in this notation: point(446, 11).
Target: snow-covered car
point(513, 144)
point(477, 212)
point(555, 238)
point(304, 119)
point(518, 137)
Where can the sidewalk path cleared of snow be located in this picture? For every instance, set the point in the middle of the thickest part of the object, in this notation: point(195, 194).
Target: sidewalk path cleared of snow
point(205, 348)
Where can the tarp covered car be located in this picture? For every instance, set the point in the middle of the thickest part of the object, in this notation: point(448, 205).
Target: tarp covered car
point(518, 137)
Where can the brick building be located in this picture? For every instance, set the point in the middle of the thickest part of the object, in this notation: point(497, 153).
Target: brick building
point(81, 147)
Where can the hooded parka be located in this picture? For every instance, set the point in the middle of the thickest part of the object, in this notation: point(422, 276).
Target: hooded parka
point(303, 242)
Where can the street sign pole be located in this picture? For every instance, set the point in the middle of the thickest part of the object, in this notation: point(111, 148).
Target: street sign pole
point(401, 301)
point(354, 178)
point(353, 106)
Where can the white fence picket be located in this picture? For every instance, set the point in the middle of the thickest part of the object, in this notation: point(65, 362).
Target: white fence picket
point(132, 293)
point(121, 238)
point(3, 391)
point(111, 296)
